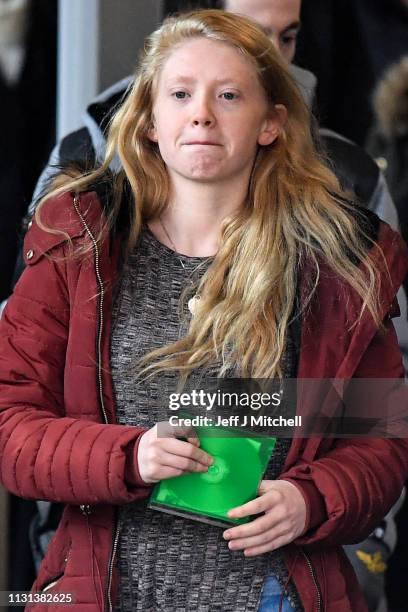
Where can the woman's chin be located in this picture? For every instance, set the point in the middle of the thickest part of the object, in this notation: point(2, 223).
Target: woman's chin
point(205, 173)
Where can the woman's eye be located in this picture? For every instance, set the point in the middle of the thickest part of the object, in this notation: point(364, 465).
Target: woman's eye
point(180, 95)
point(229, 95)
point(288, 40)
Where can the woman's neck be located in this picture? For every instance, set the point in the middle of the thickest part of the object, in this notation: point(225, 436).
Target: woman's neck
point(193, 218)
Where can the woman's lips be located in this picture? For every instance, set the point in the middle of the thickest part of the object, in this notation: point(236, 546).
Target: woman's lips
point(203, 142)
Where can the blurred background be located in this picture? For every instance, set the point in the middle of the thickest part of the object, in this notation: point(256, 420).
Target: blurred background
point(56, 56)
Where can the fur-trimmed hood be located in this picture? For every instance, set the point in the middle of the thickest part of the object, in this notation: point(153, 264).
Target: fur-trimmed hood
point(391, 100)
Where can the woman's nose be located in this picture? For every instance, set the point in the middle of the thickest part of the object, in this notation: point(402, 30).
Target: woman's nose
point(203, 114)
point(205, 122)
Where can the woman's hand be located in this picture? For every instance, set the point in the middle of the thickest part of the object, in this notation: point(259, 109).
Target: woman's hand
point(284, 519)
point(161, 455)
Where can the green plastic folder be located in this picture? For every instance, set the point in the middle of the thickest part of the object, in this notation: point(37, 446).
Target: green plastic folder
point(240, 461)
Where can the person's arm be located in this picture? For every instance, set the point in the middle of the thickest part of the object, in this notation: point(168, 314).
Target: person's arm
point(43, 453)
point(349, 489)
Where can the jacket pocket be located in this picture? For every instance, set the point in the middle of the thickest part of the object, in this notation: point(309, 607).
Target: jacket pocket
point(51, 584)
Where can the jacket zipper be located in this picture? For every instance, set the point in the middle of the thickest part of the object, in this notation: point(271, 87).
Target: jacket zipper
point(85, 508)
point(315, 582)
point(101, 298)
point(110, 564)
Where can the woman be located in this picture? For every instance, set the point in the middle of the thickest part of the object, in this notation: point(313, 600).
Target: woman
point(191, 260)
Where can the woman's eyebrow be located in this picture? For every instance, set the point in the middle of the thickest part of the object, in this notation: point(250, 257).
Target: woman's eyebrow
point(181, 77)
point(229, 81)
point(191, 80)
point(293, 26)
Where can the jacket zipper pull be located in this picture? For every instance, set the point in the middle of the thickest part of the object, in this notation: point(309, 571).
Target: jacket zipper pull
point(86, 509)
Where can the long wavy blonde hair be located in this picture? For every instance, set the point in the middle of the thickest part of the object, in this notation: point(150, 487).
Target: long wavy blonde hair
point(295, 211)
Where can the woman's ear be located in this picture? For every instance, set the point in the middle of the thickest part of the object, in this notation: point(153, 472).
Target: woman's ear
point(152, 132)
point(273, 125)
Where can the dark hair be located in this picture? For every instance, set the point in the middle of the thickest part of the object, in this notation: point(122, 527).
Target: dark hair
point(177, 6)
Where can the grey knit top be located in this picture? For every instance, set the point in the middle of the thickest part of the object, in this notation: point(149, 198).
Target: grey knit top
point(165, 562)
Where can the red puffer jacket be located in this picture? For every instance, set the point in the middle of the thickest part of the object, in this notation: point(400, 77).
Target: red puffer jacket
point(59, 440)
